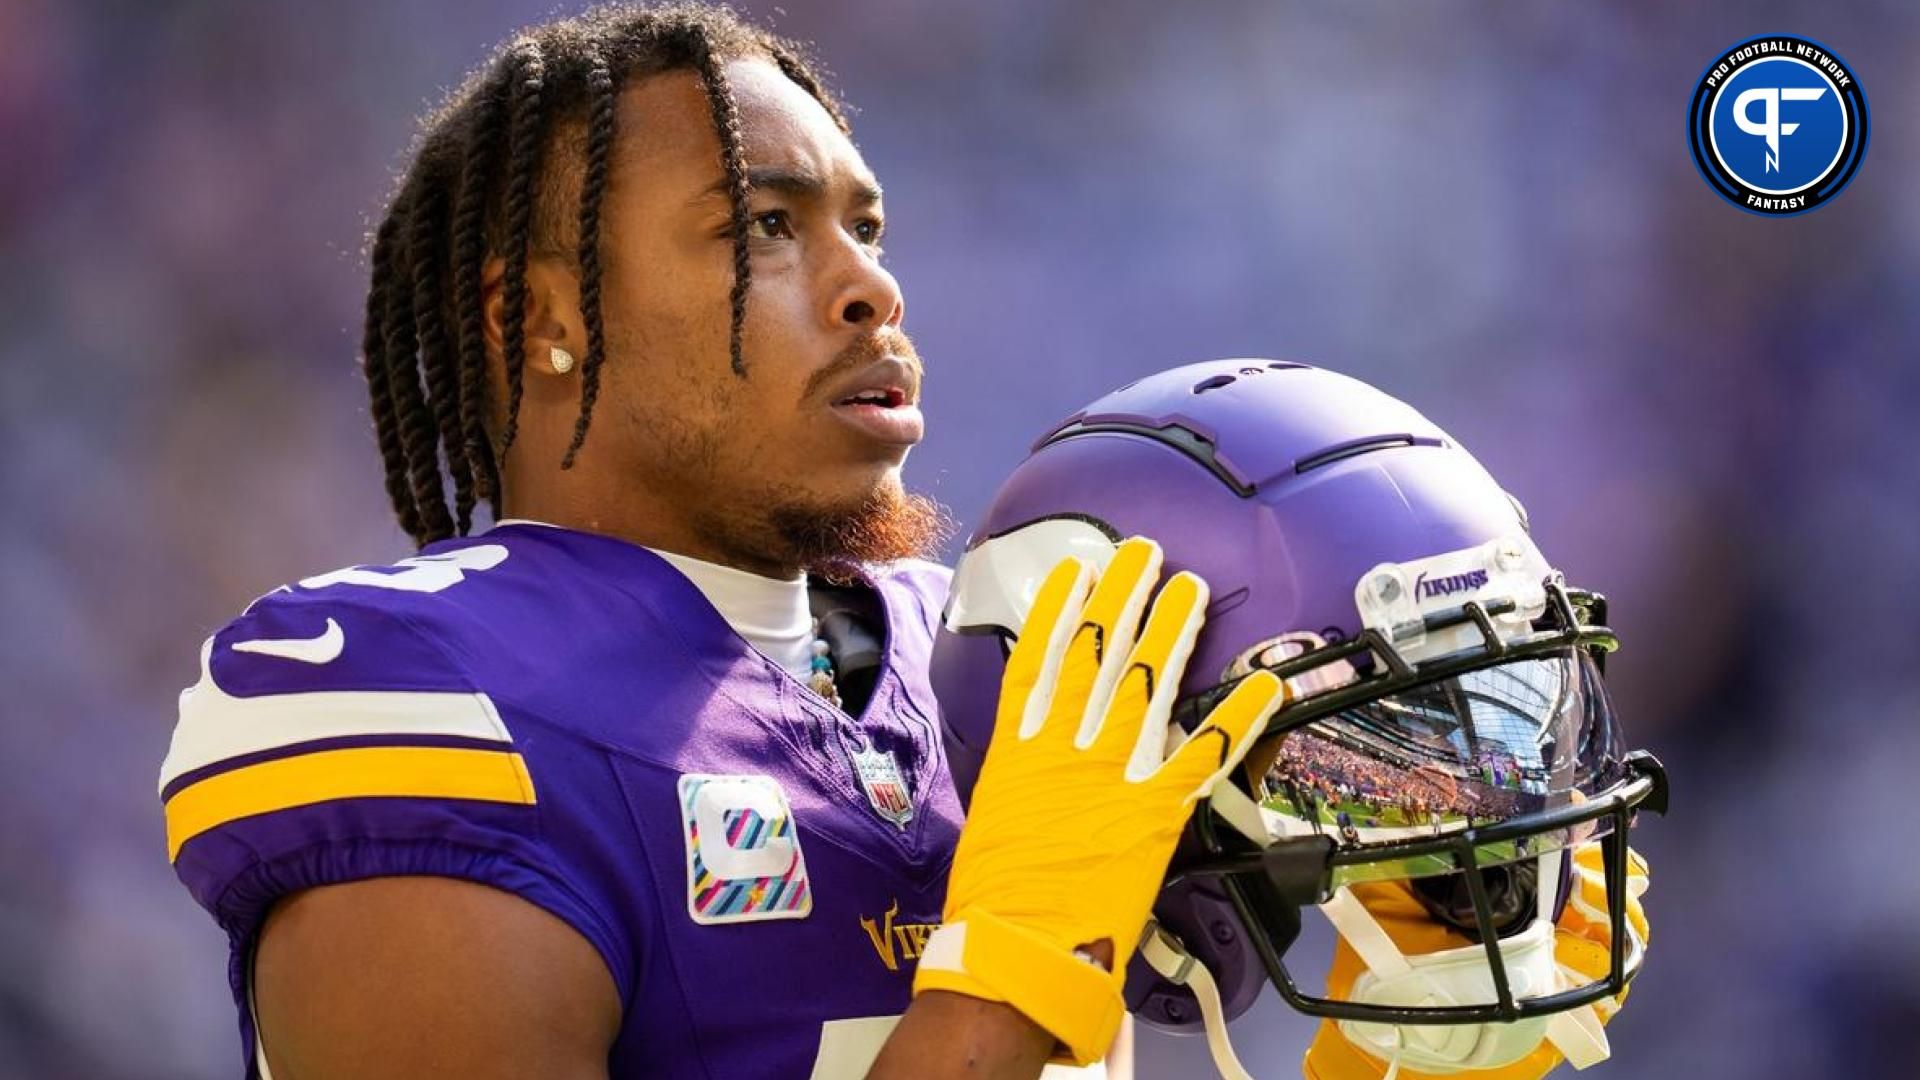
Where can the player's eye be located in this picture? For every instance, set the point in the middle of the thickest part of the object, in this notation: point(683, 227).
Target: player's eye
point(770, 225)
point(869, 231)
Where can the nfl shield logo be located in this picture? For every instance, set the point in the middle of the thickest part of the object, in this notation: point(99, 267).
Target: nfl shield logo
point(886, 791)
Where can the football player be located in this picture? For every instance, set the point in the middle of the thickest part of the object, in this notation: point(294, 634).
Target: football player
point(645, 780)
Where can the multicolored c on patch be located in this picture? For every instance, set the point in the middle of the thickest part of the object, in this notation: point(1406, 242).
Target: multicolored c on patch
point(743, 851)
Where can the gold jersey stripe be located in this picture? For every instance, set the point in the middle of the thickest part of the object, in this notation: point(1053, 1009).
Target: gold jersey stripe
point(432, 772)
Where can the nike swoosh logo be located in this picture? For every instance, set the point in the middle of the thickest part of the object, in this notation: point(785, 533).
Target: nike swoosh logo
point(319, 650)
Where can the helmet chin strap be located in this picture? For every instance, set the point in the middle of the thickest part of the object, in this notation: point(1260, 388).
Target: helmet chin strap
point(1440, 978)
point(1166, 955)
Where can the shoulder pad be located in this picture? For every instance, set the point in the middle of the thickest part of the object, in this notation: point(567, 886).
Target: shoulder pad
point(360, 628)
point(333, 689)
point(339, 731)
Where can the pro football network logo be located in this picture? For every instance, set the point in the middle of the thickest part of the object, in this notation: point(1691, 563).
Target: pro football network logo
point(1778, 125)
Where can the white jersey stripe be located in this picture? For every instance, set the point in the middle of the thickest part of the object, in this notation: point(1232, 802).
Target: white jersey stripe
point(215, 726)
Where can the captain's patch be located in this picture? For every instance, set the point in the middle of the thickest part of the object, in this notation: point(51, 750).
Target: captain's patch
point(743, 852)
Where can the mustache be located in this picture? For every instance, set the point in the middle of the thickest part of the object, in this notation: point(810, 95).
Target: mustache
point(864, 352)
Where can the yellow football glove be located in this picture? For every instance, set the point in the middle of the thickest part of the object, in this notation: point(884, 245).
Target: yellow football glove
point(1582, 943)
point(1077, 809)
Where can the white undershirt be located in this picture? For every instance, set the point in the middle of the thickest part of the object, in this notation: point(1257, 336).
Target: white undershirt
point(770, 613)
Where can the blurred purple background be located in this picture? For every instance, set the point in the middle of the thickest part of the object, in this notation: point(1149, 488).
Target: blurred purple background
point(1487, 209)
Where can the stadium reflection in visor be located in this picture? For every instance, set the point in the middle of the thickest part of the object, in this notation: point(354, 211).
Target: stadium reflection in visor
point(1488, 745)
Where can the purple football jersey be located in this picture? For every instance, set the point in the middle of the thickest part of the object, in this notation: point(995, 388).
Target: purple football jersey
point(564, 716)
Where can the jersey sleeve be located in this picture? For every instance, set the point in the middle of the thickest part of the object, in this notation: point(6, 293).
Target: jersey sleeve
point(329, 741)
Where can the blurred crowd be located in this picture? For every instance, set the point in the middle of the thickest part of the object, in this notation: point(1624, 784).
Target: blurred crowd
point(1487, 209)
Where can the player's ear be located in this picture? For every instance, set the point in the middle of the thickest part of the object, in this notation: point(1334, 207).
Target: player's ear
point(553, 311)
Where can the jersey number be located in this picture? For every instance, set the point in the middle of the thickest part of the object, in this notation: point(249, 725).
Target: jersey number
point(422, 573)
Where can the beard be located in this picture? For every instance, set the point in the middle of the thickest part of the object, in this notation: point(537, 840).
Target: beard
point(838, 542)
point(775, 531)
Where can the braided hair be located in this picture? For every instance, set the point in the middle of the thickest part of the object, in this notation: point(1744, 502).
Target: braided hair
point(486, 181)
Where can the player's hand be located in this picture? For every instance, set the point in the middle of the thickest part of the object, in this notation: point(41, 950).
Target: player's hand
point(1078, 808)
point(1582, 948)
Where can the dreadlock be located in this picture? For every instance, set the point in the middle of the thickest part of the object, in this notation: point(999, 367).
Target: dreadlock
point(490, 179)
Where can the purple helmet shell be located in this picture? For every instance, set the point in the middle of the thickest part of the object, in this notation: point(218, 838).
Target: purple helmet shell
point(1282, 485)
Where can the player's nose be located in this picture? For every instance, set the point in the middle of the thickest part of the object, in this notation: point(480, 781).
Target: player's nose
point(865, 295)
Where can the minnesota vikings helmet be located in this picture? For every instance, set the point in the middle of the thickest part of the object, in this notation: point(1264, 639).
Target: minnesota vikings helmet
point(1446, 719)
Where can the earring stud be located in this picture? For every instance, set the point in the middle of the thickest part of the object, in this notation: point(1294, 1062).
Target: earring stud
point(561, 359)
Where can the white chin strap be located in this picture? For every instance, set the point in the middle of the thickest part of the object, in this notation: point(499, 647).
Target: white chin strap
point(1449, 977)
point(1164, 953)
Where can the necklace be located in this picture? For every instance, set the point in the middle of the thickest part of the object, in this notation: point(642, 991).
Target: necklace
point(820, 678)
